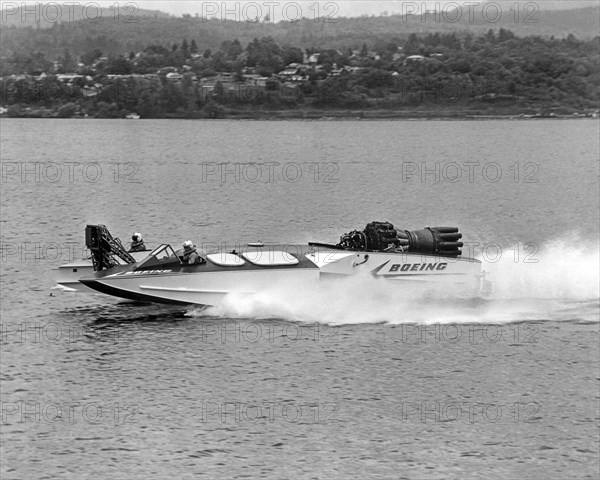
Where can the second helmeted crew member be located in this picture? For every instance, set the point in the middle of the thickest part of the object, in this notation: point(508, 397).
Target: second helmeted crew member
point(137, 244)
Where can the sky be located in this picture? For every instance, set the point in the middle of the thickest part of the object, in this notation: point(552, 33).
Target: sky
point(342, 7)
point(348, 8)
point(309, 8)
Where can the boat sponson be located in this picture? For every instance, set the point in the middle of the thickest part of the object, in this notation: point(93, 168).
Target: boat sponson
point(118, 292)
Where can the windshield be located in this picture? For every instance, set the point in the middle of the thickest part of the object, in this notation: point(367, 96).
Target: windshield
point(160, 256)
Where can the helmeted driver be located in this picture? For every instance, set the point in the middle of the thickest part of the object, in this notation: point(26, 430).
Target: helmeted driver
point(190, 255)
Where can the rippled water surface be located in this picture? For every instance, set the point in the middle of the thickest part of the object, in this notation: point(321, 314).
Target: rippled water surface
point(342, 381)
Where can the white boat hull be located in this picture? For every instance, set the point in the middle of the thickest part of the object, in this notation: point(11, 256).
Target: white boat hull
point(209, 284)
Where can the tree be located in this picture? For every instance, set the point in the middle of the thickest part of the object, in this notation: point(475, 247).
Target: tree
point(375, 78)
point(468, 42)
point(38, 64)
point(108, 110)
point(67, 62)
point(264, 54)
point(413, 46)
point(219, 91)
point(253, 50)
point(234, 50)
point(91, 56)
point(292, 55)
point(193, 47)
point(220, 62)
point(505, 35)
point(170, 97)
point(128, 94)
point(212, 109)
point(225, 46)
point(330, 91)
point(118, 66)
point(187, 90)
point(185, 48)
point(156, 50)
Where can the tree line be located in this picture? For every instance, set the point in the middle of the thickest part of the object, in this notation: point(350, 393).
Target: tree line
point(489, 71)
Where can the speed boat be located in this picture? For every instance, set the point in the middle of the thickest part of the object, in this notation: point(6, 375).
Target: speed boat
point(428, 259)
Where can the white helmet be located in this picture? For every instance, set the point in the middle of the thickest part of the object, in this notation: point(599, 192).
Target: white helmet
point(188, 244)
point(137, 237)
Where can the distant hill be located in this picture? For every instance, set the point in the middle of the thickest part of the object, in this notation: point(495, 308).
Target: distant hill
point(118, 34)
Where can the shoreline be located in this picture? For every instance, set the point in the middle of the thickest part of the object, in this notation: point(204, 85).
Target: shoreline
point(329, 115)
point(340, 115)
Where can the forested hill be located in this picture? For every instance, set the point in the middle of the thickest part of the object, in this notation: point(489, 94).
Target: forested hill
point(114, 35)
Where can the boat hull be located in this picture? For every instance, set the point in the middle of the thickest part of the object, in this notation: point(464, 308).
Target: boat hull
point(211, 283)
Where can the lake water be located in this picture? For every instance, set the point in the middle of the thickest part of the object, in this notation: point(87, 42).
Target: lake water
point(354, 382)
